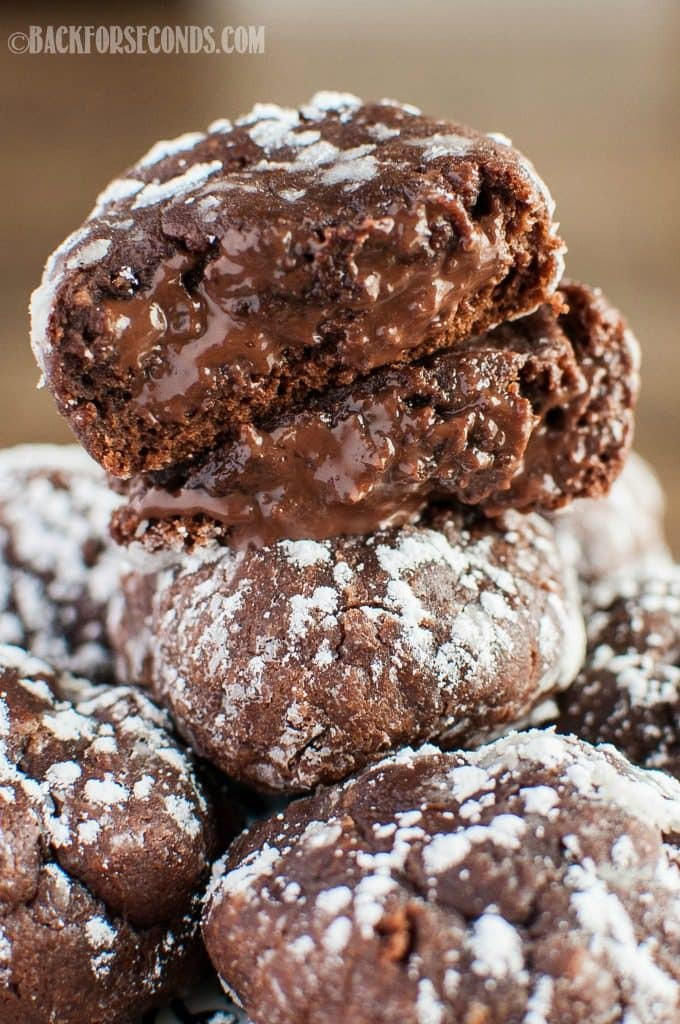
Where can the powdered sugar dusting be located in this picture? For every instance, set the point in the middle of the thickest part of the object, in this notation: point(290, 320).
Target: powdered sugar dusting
point(74, 789)
point(303, 602)
point(58, 567)
point(581, 907)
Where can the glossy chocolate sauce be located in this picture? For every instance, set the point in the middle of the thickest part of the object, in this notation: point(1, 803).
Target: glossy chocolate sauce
point(457, 427)
point(254, 303)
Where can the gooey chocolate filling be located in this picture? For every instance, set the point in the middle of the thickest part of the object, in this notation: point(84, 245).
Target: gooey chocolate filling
point(514, 418)
point(239, 310)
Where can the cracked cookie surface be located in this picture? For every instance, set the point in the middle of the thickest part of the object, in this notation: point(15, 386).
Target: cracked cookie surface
point(628, 691)
point(106, 839)
point(58, 565)
point(534, 879)
point(300, 663)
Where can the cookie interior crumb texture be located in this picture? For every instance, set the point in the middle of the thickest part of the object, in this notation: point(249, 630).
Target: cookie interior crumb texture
point(534, 879)
point(228, 274)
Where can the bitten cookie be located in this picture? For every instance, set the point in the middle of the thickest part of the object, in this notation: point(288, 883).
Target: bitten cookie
point(58, 567)
point(628, 692)
point(533, 880)
point(535, 413)
point(227, 274)
point(105, 845)
point(620, 532)
point(300, 663)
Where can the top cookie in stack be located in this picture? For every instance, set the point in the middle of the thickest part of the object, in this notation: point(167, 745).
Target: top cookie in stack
point(316, 322)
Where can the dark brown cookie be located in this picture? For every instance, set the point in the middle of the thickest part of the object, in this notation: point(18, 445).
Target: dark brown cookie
point(228, 273)
point(619, 532)
point(58, 567)
point(533, 880)
point(300, 663)
point(628, 692)
point(105, 843)
point(535, 413)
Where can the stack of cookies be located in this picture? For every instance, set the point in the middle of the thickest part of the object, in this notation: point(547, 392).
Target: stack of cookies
point(341, 396)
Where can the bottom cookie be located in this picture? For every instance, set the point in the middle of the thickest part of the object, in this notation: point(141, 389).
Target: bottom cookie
point(535, 879)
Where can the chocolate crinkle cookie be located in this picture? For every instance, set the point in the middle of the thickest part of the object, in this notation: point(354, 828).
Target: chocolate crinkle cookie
point(106, 839)
point(533, 414)
point(302, 662)
point(533, 880)
point(620, 533)
point(628, 692)
point(58, 566)
point(230, 273)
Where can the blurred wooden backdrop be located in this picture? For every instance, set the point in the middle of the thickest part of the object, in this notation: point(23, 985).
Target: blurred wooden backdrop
point(590, 89)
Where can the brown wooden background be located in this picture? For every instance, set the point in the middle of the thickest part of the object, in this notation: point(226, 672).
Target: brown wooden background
point(590, 90)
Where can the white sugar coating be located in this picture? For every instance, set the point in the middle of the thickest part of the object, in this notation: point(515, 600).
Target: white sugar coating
point(540, 1001)
point(429, 1008)
point(5, 957)
point(408, 108)
point(499, 137)
point(326, 101)
point(603, 916)
point(161, 191)
point(42, 298)
point(169, 147)
point(382, 132)
point(242, 880)
point(276, 131)
point(496, 947)
point(291, 195)
point(118, 190)
point(68, 724)
point(88, 831)
point(183, 814)
point(539, 799)
point(444, 144)
point(302, 553)
point(609, 901)
point(333, 901)
point(320, 833)
point(352, 165)
point(105, 791)
point(64, 773)
point(5, 723)
point(467, 780)
point(506, 595)
point(302, 947)
point(100, 933)
point(445, 852)
point(89, 254)
point(337, 936)
point(56, 559)
point(142, 788)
